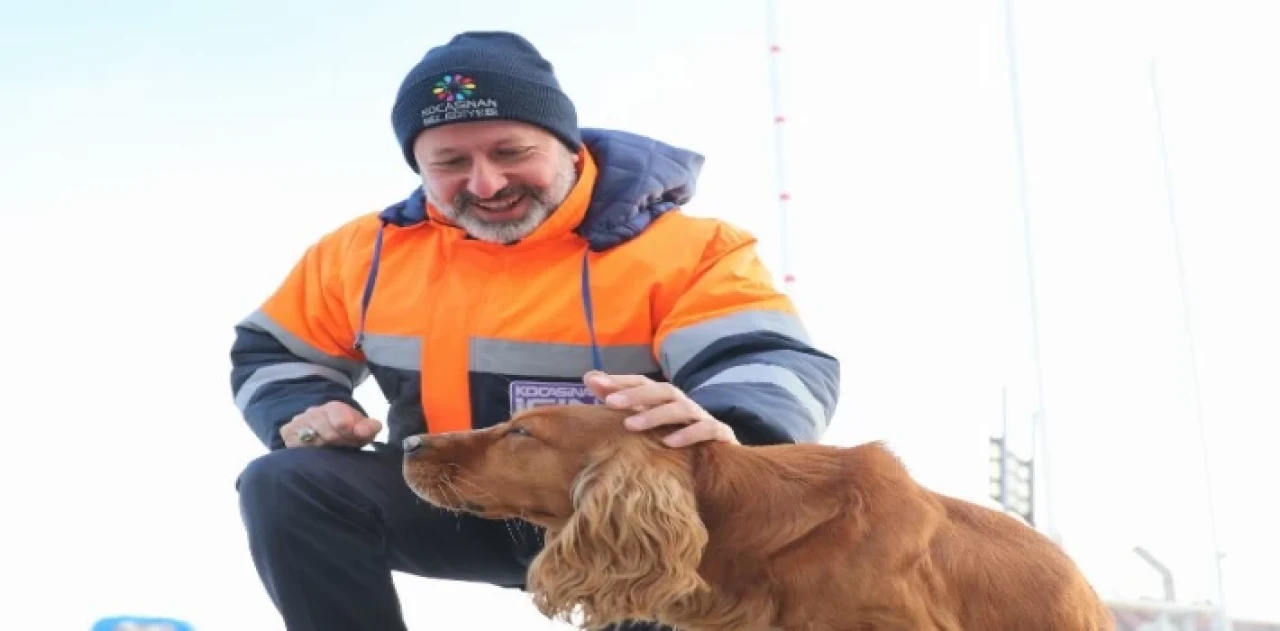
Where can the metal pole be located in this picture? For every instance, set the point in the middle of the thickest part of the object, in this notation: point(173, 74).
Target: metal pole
point(1040, 446)
point(1005, 482)
point(1224, 622)
point(779, 121)
point(1166, 576)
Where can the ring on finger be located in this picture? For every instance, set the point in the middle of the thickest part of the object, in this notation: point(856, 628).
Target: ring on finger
point(308, 435)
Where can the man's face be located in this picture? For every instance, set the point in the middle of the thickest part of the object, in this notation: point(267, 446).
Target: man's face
point(498, 180)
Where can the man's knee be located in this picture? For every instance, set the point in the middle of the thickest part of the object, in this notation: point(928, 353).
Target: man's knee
point(277, 484)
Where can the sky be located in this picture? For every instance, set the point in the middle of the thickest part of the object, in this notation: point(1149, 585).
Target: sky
point(163, 165)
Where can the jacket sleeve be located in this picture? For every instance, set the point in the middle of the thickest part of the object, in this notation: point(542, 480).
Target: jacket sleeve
point(738, 348)
point(295, 350)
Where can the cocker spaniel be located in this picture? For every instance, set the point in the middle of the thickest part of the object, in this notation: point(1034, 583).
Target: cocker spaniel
point(724, 537)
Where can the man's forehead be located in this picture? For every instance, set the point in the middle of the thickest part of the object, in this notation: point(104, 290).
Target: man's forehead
point(464, 145)
point(468, 137)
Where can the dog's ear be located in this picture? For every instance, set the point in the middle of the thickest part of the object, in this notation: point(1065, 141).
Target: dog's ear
point(632, 547)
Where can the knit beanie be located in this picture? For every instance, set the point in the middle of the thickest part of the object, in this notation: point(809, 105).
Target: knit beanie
point(482, 76)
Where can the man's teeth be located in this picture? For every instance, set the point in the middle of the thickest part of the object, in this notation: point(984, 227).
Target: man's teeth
point(499, 206)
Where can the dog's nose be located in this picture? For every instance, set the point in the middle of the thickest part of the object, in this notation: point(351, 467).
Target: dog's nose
point(412, 444)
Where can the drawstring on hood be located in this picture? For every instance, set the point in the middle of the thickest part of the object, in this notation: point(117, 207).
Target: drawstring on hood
point(369, 282)
point(597, 361)
point(638, 180)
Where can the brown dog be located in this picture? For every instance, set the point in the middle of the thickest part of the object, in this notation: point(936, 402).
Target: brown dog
point(721, 537)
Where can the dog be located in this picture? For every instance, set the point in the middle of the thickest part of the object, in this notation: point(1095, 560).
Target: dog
point(725, 537)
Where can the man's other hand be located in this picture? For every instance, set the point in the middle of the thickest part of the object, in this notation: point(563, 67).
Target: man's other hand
point(334, 424)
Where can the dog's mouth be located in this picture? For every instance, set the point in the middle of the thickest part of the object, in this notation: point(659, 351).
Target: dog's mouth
point(458, 504)
point(442, 496)
point(443, 491)
point(443, 488)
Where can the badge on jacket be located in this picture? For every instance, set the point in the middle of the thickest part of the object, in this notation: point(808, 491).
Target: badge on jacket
point(530, 394)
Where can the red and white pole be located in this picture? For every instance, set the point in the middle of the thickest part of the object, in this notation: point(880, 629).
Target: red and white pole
point(779, 136)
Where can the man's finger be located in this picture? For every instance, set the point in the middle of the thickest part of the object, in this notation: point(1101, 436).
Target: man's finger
point(292, 433)
point(366, 429)
point(726, 433)
point(672, 413)
point(289, 433)
point(604, 384)
point(343, 420)
point(646, 395)
point(324, 427)
point(696, 433)
point(599, 384)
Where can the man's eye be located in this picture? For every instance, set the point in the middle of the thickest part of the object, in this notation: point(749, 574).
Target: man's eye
point(518, 431)
point(515, 152)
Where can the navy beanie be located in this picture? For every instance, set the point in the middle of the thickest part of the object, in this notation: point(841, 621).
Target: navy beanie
point(482, 76)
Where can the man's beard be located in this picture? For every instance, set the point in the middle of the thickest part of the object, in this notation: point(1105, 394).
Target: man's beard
point(539, 204)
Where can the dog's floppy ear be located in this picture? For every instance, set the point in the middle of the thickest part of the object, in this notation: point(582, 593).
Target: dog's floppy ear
point(632, 547)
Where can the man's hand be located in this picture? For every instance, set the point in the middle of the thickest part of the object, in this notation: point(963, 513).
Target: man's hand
point(334, 424)
point(656, 403)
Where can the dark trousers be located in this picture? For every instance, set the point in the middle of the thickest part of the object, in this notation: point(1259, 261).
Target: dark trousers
point(326, 528)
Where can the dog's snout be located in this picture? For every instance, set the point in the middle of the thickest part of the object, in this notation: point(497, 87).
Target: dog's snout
point(412, 444)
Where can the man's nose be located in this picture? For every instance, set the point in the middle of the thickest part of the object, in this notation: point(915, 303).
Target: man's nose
point(485, 180)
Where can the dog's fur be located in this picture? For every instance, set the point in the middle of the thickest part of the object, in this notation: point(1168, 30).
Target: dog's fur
point(722, 537)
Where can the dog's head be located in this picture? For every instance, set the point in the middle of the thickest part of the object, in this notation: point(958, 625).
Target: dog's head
point(624, 535)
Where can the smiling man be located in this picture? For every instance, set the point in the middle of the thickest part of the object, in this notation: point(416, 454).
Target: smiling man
point(537, 263)
point(496, 180)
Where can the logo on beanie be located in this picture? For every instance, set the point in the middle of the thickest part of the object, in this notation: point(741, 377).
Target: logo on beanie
point(456, 101)
point(454, 87)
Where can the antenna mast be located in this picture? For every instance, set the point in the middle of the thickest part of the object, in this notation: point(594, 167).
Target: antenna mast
point(779, 124)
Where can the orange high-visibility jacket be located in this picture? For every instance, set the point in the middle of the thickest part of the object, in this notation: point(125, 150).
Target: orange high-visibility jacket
point(460, 333)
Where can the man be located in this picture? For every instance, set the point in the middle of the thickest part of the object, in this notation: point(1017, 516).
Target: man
point(537, 263)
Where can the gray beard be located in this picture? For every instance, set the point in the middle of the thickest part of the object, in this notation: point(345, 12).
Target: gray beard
point(540, 203)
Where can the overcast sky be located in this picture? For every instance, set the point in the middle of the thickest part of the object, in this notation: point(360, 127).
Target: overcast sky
point(163, 166)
